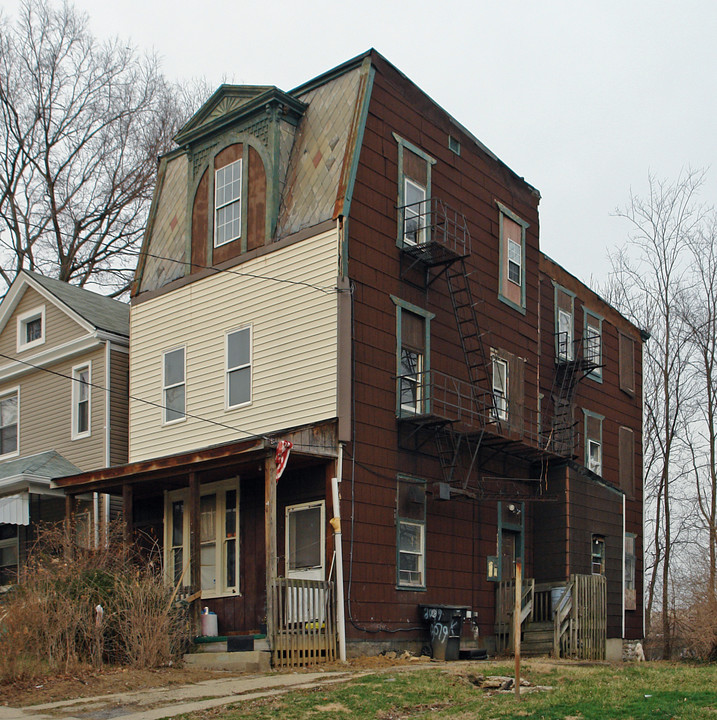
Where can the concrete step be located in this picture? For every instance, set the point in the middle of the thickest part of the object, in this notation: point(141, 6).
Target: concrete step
point(251, 661)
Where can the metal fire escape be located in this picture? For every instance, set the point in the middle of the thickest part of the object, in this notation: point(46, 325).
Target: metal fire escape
point(574, 360)
point(439, 243)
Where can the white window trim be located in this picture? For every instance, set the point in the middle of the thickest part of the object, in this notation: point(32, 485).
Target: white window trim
point(287, 544)
point(518, 263)
point(166, 387)
point(501, 413)
point(421, 233)
point(238, 200)
point(219, 489)
point(76, 370)
point(22, 321)
point(13, 391)
point(13, 542)
point(228, 370)
point(568, 354)
point(595, 467)
point(421, 555)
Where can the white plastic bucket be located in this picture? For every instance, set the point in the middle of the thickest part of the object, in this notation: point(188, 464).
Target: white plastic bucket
point(209, 624)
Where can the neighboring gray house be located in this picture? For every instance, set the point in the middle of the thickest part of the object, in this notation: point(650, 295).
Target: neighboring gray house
point(63, 403)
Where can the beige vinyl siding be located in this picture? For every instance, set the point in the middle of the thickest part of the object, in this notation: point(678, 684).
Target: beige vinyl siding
point(294, 349)
point(119, 407)
point(59, 327)
point(45, 415)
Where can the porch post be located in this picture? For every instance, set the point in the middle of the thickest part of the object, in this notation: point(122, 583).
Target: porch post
point(517, 612)
point(270, 540)
point(195, 561)
point(70, 506)
point(127, 513)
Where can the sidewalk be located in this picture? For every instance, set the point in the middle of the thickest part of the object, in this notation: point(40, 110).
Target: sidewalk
point(160, 703)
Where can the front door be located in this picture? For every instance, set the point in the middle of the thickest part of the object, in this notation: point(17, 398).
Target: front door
point(305, 553)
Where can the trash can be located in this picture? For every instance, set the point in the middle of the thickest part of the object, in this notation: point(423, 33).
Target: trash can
point(445, 624)
point(556, 595)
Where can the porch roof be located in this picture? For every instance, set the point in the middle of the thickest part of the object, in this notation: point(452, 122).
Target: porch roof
point(172, 470)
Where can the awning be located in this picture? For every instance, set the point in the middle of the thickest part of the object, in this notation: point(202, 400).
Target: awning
point(15, 509)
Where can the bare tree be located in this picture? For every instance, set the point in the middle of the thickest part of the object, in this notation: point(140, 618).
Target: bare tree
point(81, 126)
point(700, 313)
point(650, 277)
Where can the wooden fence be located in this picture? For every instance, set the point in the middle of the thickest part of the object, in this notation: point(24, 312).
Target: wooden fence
point(304, 623)
point(580, 622)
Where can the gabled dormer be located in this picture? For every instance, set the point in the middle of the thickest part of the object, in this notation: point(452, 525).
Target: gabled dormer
point(218, 195)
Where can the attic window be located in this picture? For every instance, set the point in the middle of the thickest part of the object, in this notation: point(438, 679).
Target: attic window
point(454, 145)
point(31, 328)
point(227, 203)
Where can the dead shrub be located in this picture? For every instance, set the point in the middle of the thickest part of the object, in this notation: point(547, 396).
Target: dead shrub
point(49, 621)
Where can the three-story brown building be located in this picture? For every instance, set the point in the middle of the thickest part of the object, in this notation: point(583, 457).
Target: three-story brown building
point(348, 268)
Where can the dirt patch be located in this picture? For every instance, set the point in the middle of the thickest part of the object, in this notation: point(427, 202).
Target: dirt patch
point(92, 683)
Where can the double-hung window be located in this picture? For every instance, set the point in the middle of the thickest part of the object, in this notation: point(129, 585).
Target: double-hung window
point(411, 533)
point(9, 423)
point(500, 388)
point(414, 194)
point(414, 213)
point(564, 323)
point(593, 441)
point(174, 385)
point(31, 328)
point(238, 383)
point(592, 344)
point(227, 203)
point(511, 276)
point(81, 401)
point(413, 361)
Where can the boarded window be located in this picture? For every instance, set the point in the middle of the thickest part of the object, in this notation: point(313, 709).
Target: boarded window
point(626, 452)
point(630, 565)
point(627, 364)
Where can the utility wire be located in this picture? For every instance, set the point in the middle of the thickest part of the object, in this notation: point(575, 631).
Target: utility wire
point(134, 397)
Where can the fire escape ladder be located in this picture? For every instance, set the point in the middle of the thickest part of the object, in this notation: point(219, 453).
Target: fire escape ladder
point(476, 359)
point(571, 367)
point(468, 329)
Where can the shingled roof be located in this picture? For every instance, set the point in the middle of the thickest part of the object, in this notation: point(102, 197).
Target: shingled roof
point(102, 312)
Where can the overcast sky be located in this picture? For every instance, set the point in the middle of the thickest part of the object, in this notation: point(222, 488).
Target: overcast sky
point(583, 100)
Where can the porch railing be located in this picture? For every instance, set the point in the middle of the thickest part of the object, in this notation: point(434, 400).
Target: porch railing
point(580, 619)
point(304, 622)
point(505, 604)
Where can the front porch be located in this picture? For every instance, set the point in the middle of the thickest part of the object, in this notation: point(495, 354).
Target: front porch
point(234, 539)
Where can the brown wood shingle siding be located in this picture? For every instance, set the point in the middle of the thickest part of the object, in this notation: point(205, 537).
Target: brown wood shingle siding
point(459, 533)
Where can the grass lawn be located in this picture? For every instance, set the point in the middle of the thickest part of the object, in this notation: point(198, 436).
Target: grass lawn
point(580, 692)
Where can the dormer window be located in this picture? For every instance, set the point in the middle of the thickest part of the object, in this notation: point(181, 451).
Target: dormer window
point(227, 203)
point(31, 329)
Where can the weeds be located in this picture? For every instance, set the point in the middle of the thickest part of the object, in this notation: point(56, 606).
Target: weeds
point(74, 606)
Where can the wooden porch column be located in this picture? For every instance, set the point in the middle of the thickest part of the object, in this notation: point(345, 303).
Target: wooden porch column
point(127, 513)
point(270, 539)
point(195, 559)
point(70, 506)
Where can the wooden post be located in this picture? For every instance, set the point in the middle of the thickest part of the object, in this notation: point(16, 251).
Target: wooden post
point(195, 540)
point(127, 513)
point(270, 541)
point(516, 623)
point(70, 504)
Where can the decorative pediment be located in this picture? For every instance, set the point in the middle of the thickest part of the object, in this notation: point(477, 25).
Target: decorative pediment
point(231, 104)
